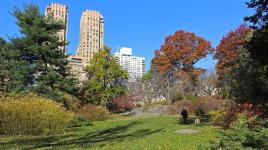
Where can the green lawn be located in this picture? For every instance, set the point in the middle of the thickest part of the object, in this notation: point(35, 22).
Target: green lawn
point(130, 133)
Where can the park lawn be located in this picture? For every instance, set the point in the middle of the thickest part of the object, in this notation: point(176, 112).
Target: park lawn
point(129, 133)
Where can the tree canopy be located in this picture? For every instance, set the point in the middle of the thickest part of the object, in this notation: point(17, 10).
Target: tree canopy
point(106, 79)
point(41, 64)
point(258, 47)
point(176, 59)
point(229, 48)
point(180, 52)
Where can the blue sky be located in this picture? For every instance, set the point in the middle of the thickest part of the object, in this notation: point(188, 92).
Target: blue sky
point(143, 24)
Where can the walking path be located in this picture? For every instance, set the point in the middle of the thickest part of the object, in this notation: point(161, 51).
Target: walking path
point(154, 111)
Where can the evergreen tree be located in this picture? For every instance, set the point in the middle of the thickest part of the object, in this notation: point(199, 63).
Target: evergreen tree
point(106, 79)
point(258, 46)
point(13, 70)
point(4, 71)
point(241, 79)
point(45, 69)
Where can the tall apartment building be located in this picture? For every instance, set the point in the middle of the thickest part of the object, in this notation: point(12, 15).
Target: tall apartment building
point(59, 12)
point(77, 69)
point(91, 35)
point(135, 66)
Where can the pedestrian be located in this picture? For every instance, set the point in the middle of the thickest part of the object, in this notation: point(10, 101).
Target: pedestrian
point(184, 114)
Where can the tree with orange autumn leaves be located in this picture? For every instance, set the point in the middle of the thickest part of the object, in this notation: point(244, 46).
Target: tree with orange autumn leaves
point(242, 77)
point(229, 48)
point(175, 60)
point(180, 52)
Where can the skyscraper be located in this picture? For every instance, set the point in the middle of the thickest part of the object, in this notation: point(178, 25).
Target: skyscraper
point(135, 66)
point(59, 12)
point(91, 35)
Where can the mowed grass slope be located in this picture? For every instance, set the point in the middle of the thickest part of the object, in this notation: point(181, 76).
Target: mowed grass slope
point(130, 133)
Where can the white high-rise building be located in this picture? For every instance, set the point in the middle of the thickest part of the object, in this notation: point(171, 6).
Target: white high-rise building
point(135, 66)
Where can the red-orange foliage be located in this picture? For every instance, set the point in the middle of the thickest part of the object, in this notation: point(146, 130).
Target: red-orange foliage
point(229, 47)
point(251, 111)
point(180, 52)
point(122, 104)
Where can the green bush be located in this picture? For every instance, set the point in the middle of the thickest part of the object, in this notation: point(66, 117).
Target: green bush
point(93, 112)
point(218, 116)
point(32, 115)
point(80, 121)
point(242, 136)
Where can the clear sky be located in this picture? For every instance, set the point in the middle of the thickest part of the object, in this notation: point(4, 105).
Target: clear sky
point(143, 24)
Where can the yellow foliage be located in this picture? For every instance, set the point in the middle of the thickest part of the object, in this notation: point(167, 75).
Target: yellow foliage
point(94, 113)
point(32, 115)
point(218, 116)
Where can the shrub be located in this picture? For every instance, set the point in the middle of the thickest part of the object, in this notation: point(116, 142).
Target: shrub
point(80, 121)
point(70, 102)
point(93, 112)
point(242, 136)
point(218, 116)
point(32, 115)
point(207, 103)
point(176, 107)
point(122, 104)
point(228, 114)
point(198, 105)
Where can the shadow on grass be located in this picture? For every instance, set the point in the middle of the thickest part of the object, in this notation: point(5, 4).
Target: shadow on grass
point(98, 138)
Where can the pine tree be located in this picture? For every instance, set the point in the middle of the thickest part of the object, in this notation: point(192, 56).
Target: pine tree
point(39, 46)
point(4, 72)
point(14, 71)
point(258, 46)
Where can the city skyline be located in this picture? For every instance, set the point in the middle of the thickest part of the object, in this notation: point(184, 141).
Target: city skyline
point(133, 25)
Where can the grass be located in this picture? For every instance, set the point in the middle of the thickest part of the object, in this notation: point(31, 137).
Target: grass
point(127, 133)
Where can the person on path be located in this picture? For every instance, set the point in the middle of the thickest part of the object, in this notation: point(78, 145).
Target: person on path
point(184, 114)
